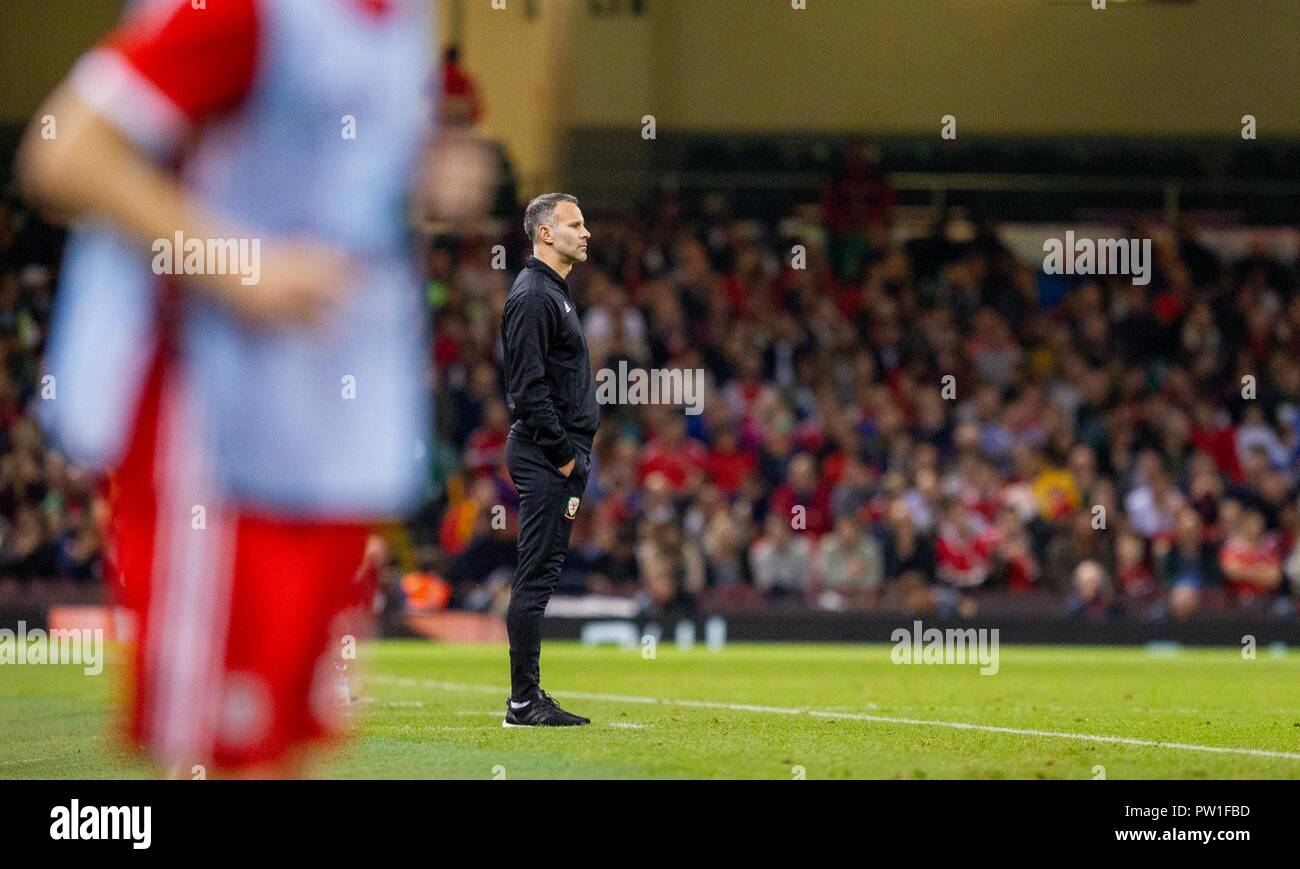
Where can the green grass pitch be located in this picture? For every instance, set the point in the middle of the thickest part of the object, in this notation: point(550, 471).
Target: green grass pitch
point(767, 711)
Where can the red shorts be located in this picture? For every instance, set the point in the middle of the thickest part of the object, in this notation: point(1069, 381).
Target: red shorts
point(238, 642)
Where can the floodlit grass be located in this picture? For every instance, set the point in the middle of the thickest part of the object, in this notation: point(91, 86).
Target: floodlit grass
point(750, 711)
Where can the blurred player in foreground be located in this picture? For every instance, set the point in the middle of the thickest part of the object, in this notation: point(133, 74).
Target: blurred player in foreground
point(263, 401)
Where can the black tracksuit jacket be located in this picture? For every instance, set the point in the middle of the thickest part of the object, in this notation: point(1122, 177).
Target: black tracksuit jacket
point(550, 389)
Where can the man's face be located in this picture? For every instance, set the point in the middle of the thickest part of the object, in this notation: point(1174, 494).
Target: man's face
point(568, 232)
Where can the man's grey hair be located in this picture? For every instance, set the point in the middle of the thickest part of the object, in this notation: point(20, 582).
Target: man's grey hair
point(540, 211)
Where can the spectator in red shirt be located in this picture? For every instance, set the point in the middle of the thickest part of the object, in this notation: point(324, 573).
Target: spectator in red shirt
point(486, 448)
point(1014, 552)
point(1212, 433)
point(1251, 564)
point(964, 548)
point(726, 464)
point(671, 453)
point(802, 489)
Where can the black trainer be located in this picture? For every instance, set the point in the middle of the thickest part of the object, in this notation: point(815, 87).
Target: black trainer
point(541, 711)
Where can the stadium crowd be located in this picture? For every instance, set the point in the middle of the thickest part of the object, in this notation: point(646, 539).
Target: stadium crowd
point(911, 426)
point(51, 513)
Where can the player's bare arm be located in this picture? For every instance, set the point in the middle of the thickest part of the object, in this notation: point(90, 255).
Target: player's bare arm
point(91, 170)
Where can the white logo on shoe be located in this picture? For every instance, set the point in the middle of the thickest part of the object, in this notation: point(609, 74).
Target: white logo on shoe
point(514, 705)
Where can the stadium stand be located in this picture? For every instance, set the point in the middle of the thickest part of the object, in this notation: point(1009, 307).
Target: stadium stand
point(824, 397)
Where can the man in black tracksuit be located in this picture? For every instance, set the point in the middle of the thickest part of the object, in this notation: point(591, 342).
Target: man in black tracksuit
point(552, 398)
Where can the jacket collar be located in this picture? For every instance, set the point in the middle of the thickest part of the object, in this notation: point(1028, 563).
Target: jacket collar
point(534, 263)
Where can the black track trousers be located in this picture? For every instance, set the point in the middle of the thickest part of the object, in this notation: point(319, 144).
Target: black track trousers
point(548, 504)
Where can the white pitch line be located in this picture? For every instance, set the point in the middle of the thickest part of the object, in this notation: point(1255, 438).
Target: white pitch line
point(1088, 737)
point(28, 760)
point(852, 716)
